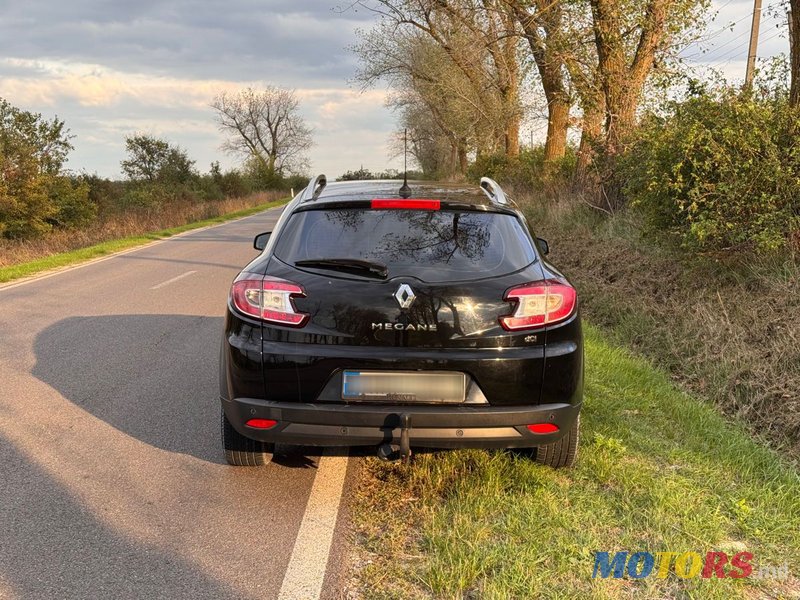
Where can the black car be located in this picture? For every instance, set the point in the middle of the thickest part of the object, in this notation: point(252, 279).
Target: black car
point(421, 316)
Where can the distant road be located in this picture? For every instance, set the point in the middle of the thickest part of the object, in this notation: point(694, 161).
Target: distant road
point(112, 481)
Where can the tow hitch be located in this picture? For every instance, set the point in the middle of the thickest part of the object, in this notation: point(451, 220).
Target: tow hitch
point(390, 452)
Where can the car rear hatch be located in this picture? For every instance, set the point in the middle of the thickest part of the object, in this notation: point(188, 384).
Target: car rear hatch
point(393, 292)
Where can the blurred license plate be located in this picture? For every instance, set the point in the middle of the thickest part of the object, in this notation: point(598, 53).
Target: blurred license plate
point(400, 387)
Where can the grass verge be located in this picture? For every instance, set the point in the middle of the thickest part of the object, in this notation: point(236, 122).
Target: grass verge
point(658, 471)
point(725, 324)
point(63, 259)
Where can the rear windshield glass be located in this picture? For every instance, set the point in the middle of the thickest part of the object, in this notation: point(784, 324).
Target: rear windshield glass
point(431, 245)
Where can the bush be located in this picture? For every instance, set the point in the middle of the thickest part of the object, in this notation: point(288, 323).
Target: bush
point(525, 172)
point(105, 194)
point(70, 199)
point(721, 169)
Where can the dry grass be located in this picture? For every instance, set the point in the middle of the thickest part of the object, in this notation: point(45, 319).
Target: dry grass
point(725, 325)
point(133, 223)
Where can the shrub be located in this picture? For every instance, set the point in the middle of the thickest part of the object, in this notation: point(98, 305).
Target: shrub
point(70, 199)
point(721, 169)
point(525, 172)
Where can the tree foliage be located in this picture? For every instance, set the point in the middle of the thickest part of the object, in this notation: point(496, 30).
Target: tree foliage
point(153, 160)
point(455, 63)
point(35, 195)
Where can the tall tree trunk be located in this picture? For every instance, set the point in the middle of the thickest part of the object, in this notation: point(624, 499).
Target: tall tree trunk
point(453, 165)
point(509, 72)
point(540, 29)
point(794, 51)
point(591, 133)
point(462, 157)
point(555, 146)
point(623, 76)
point(512, 137)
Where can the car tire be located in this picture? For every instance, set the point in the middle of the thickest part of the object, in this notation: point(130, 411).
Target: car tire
point(241, 451)
point(562, 453)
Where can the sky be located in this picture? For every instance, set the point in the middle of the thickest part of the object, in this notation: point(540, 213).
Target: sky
point(110, 69)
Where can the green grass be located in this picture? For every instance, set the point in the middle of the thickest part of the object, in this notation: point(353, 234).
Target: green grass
point(72, 257)
point(658, 470)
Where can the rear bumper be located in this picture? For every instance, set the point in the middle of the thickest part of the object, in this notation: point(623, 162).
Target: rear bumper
point(322, 424)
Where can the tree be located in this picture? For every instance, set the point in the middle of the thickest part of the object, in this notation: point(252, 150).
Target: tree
point(265, 126)
point(431, 95)
point(458, 58)
point(631, 37)
point(35, 195)
point(440, 153)
point(153, 160)
point(542, 22)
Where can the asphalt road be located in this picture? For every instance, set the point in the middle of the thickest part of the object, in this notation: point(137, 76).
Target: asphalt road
point(112, 481)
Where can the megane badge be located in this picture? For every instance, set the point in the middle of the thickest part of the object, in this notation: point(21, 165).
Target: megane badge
point(405, 296)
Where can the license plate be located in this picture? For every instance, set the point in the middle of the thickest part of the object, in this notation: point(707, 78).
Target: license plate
point(404, 387)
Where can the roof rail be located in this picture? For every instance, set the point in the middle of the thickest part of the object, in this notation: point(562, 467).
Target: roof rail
point(493, 190)
point(314, 188)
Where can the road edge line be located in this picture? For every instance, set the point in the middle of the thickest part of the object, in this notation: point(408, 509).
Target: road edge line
point(308, 562)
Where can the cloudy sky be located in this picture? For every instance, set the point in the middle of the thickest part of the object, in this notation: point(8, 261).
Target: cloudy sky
point(113, 68)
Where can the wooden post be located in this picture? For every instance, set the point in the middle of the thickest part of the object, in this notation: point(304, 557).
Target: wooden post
point(794, 53)
point(751, 55)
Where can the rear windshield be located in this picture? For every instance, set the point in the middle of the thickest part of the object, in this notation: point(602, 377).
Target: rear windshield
point(431, 245)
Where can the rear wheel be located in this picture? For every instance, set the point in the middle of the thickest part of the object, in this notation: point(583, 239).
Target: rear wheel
point(563, 452)
point(241, 451)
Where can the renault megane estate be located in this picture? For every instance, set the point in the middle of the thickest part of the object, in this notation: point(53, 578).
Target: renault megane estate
point(422, 316)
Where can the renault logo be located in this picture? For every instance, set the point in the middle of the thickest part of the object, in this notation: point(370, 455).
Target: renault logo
point(405, 296)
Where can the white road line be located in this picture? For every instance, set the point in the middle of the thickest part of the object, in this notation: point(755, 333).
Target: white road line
point(173, 280)
point(309, 560)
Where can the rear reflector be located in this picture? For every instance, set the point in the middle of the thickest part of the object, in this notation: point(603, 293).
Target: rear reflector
point(412, 203)
point(543, 428)
point(261, 423)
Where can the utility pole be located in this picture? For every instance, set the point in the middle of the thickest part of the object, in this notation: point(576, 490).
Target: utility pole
point(794, 52)
point(751, 55)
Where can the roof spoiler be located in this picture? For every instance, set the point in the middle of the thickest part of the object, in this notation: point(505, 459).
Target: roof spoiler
point(493, 190)
point(314, 188)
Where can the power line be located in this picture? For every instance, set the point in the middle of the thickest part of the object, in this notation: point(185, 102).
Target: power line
point(709, 54)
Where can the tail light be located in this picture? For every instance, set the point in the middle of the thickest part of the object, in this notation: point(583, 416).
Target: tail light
point(268, 299)
point(539, 304)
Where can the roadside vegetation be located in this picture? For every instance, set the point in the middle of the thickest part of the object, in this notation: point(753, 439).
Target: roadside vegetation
point(658, 471)
point(60, 249)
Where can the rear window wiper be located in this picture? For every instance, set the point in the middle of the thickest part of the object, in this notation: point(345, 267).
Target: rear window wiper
point(354, 265)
